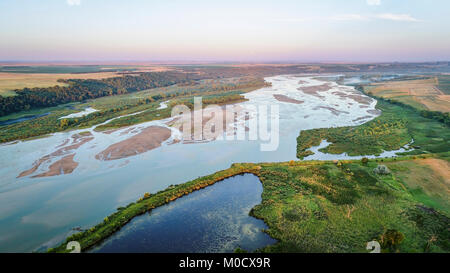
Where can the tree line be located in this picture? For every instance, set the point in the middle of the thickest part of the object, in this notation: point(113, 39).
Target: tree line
point(80, 90)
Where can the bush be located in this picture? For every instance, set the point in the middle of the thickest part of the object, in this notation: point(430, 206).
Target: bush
point(391, 239)
point(364, 160)
point(146, 195)
point(381, 169)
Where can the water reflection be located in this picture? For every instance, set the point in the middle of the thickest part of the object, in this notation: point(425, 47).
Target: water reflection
point(214, 219)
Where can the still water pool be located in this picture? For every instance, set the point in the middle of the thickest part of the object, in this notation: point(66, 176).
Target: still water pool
point(214, 219)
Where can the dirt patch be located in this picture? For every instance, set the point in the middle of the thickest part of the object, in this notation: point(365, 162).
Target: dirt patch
point(148, 139)
point(287, 99)
point(65, 165)
point(439, 166)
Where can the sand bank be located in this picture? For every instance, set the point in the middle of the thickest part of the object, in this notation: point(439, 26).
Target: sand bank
point(65, 165)
point(77, 141)
point(332, 110)
point(313, 90)
point(287, 99)
point(149, 138)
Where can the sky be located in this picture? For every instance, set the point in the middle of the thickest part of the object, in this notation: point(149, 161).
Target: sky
point(231, 30)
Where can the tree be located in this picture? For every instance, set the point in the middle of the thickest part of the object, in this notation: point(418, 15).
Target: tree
point(364, 160)
point(64, 123)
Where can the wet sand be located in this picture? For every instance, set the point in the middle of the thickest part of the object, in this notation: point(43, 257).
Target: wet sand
point(374, 112)
point(355, 96)
point(362, 118)
point(332, 110)
point(149, 139)
point(65, 165)
point(287, 99)
point(210, 125)
point(313, 90)
point(77, 141)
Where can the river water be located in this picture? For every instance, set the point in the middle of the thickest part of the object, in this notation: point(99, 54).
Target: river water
point(36, 213)
point(212, 220)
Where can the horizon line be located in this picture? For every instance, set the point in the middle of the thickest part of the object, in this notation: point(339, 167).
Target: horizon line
point(188, 62)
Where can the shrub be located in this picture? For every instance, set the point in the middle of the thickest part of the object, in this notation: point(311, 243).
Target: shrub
point(364, 160)
point(391, 239)
point(381, 169)
point(146, 195)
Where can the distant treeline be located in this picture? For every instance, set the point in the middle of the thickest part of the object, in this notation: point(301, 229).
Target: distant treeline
point(80, 90)
point(436, 115)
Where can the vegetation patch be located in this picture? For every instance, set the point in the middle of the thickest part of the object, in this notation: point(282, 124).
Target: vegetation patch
point(393, 129)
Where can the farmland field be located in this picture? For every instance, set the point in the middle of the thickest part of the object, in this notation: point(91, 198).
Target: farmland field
point(431, 93)
point(19, 77)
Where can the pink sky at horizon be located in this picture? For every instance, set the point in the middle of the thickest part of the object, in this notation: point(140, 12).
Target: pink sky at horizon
point(232, 31)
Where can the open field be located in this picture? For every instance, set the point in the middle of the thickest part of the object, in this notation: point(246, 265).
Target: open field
point(13, 81)
point(444, 83)
point(19, 77)
point(428, 180)
point(425, 94)
point(317, 207)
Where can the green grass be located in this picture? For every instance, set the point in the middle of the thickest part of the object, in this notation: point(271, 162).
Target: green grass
point(424, 184)
point(154, 114)
point(444, 84)
point(331, 208)
point(395, 127)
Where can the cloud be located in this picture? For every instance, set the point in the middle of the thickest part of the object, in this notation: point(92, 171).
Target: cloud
point(349, 17)
point(373, 2)
point(397, 17)
point(353, 17)
point(381, 16)
point(292, 20)
point(74, 2)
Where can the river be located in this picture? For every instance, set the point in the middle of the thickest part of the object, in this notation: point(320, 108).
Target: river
point(36, 213)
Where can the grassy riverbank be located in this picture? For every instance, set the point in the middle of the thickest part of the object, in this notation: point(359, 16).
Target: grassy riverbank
point(340, 207)
point(395, 127)
point(115, 221)
point(317, 206)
